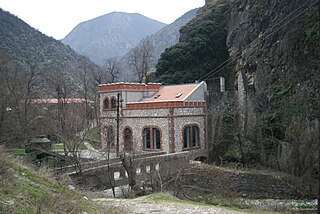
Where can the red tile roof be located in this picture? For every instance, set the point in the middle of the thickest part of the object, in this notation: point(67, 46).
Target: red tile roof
point(129, 86)
point(172, 93)
point(55, 101)
point(164, 96)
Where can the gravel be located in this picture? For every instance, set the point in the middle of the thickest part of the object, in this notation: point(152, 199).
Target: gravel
point(145, 205)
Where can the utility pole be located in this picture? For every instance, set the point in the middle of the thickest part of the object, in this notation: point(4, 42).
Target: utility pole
point(118, 123)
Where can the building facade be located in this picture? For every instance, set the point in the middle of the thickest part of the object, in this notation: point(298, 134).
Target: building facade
point(140, 118)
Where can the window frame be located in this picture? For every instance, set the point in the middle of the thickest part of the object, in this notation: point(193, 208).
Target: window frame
point(130, 140)
point(107, 130)
point(106, 103)
point(154, 138)
point(193, 137)
point(113, 103)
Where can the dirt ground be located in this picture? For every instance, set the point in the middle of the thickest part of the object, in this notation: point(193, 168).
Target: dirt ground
point(145, 205)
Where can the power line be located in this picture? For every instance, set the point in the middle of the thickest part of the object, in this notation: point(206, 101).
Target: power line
point(237, 54)
point(233, 58)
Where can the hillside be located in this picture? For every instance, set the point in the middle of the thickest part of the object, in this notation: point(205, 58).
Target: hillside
point(110, 35)
point(201, 47)
point(24, 190)
point(169, 35)
point(29, 47)
point(34, 66)
point(267, 51)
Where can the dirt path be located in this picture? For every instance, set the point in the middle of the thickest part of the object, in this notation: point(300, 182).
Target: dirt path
point(145, 205)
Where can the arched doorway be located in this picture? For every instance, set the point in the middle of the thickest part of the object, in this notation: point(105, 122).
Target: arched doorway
point(109, 136)
point(127, 137)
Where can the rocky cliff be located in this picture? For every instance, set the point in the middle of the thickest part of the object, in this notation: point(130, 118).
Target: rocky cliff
point(270, 112)
point(273, 46)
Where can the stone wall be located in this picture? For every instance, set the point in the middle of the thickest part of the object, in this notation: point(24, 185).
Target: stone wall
point(170, 122)
point(197, 117)
point(235, 183)
point(138, 119)
point(147, 168)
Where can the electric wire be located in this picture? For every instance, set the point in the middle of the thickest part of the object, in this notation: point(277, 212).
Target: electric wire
point(237, 54)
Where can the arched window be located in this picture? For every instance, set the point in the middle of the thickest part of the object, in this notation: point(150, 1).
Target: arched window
point(109, 135)
point(191, 137)
point(151, 138)
point(113, 103)
point(106, 103)
point(127, 137)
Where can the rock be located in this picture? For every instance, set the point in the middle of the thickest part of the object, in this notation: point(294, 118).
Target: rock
point(70, 187)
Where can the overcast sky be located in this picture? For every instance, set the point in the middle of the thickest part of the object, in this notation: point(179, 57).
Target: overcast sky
point(57, 18)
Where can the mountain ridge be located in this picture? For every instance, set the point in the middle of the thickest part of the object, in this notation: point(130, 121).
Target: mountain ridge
point(162, 39)
point(110, 35)
point(30, 46)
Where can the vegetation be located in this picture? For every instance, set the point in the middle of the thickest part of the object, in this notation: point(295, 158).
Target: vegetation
point(24, 190)
point(93, 134)
point(17, 152)
point(58, 147)
point(272, 119)
point(34, 67)
point(140, 59)
point(201, 48)
point(275, 121)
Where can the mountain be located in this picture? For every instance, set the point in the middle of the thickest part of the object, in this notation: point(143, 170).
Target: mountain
point(110, 35)
point(162, 39)
point(169, 35)
point(34, 66)
point(29, 47)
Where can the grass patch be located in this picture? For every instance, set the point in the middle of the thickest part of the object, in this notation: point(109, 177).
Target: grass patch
point(58, 147)
point(93, 134)
point(17, 151)
point(170, 198)
point(306, 206)
point(24, 190)
point(165, 197)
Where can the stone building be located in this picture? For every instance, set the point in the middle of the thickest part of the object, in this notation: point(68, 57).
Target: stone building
point(152, 117)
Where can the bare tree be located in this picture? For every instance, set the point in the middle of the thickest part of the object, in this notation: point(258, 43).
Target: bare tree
point(140, 59)
point(19, 85)
point(74, 133)
point(59, 86)
point(112, 67)
point(128, 163)
point(110, 139)
point(86, 88)
point(6, 104)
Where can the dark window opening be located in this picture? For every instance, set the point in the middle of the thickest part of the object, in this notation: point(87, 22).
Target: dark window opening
point(109, 135)
point(191, 137)
point(156, 138)
point(151, 138)
point(106, 103)
point(146, 138)
point(127, 139)
point(113, 103)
